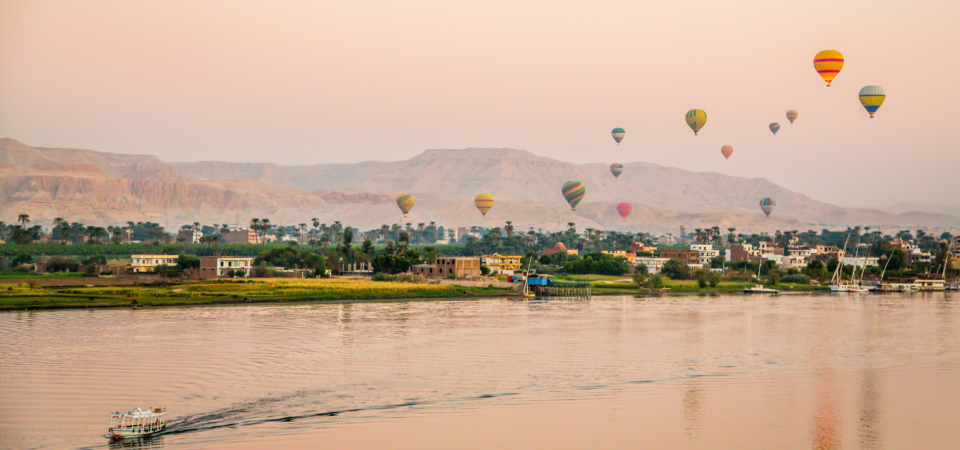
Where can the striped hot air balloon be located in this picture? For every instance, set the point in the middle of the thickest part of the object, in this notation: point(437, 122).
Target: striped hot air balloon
point(871, 97)
point(774, 127)
point(726, 150)
point(767, 205)
point(616, 169)
point(405, 202)
point(624, 209)
point(695, 119)
point(483, 202)
point(618, 134)
point(828, 64)
point(792, 115)
point(573, 192)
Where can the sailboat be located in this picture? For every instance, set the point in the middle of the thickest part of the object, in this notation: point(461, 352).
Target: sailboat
point(527, 294)
point(858, 286)
point(836, 283)
point(758, 288)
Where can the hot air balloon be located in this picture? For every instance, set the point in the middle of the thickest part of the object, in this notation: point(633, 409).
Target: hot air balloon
point(624, 209)
point(618, 134)
point(767, 205)
point(792, 115)
point(695, 119)
point(726, 150)
point(871, 97)
point(616, 169)
point(573, 191)
point(405, 202)
point(483, 202)
point(828, 64)
point(774, 127)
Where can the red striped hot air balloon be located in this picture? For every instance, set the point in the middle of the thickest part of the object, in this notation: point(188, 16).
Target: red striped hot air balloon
point(726, 150)
point(828, 64)
point(624, 209)
point(792, 115)
point(483, 202)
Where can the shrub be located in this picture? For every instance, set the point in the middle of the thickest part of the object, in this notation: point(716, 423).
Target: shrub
point(639, 278)
point(655, 282)
point(484, 270)
point(796, 279)
point(95, 260)
point(60, 264)
point(675, 270)
point(714, 280)
point(702, 282)
point(774, 278)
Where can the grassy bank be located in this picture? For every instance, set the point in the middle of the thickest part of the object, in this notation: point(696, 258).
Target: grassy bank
point(23, 296)
point(691, 286)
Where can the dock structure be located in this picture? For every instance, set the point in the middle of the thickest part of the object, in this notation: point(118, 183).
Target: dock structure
point(562, 289)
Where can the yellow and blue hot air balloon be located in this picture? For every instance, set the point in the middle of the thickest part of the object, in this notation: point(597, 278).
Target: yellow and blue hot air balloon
point(767, 205)
point(695, 119)
point(616, 169)
point(828, 64)
point(774, 127)
point(405, 202)
point(618, 134)
point(871, 97)
point(483, 202)
point(573, 192)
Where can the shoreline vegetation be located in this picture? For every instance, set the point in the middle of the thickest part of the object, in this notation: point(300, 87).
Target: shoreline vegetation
point(44, 292)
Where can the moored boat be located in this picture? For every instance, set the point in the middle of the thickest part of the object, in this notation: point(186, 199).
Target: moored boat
point(759, 289)
point(137, 423)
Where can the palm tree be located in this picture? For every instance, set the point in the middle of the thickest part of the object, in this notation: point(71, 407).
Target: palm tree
point(255, 226)
point(509, 229)
point(23, 219)
point(303, 229)
point(265, 226)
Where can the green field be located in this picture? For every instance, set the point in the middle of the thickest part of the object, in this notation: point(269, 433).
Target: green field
point(23, 296)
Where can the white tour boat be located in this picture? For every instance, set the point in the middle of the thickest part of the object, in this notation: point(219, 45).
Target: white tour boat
point(137, 423)
point(759, 289)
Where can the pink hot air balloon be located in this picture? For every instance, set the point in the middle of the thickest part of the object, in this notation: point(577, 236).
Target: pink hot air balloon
point(727, 151)
point(624, 209)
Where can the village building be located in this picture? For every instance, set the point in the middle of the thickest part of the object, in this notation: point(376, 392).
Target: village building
point(502, 264)
point(189, 235)
point(828, 250)
point(221, 266)
point(622, 254)
point(640, 247)
point(653, 264)
point(666, 239)
point(149, 263)
point(239, 236)
point(707, 253)
point(860, 261)
point(688, 257)
point(447, 266)
point(559, 248)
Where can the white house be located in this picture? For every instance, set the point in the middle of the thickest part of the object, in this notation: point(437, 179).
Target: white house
point(707, 253)
point(653, 264)
point(861, 261)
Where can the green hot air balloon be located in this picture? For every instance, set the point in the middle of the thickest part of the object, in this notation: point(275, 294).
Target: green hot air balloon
point(618, 134)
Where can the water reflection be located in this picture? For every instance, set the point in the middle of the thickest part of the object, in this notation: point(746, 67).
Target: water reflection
point(696, 372)
point(143, 442)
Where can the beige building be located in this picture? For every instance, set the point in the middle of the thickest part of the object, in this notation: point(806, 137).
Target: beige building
point(220, 266)
point(445, 266)
point(239, 236)
point(502, 264)
point(149, 263)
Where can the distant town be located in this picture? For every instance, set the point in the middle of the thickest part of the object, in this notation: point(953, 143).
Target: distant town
point(422, 251)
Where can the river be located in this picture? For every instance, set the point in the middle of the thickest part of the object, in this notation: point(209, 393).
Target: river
point(673, 372)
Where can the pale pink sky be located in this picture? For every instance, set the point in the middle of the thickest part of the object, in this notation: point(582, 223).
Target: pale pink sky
point(305, 82)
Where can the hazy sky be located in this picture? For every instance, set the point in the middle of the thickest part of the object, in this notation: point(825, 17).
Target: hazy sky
point(306, 82)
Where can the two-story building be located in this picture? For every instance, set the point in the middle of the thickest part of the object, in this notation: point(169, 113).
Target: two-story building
point(707, 253)
point(860, 261)
point(502, 264)
point(688, 257)
point(447, 266)
point(653, 264)
point(149, 263)
point(221, 266)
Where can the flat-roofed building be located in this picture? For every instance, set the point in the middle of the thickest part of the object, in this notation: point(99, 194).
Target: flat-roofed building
point(502, 264)
point(221, 266)
point(149, 263)
point(653, 264)
point(707, 253)
point(447, 266)
point(688, 257)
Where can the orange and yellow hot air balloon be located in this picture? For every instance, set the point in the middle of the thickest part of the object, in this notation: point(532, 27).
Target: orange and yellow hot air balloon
point(792, 115)
point(405, 203)
point(483, 202)
point(828, 64)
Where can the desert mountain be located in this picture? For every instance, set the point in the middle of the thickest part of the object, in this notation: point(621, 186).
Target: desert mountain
point(104, 188)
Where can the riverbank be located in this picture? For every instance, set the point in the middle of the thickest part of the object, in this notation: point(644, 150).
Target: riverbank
point(24, 296)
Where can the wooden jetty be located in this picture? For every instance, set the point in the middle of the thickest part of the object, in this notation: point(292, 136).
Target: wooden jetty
point(562, 289)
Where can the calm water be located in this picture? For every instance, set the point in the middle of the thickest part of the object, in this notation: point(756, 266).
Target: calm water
point(818, 372)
